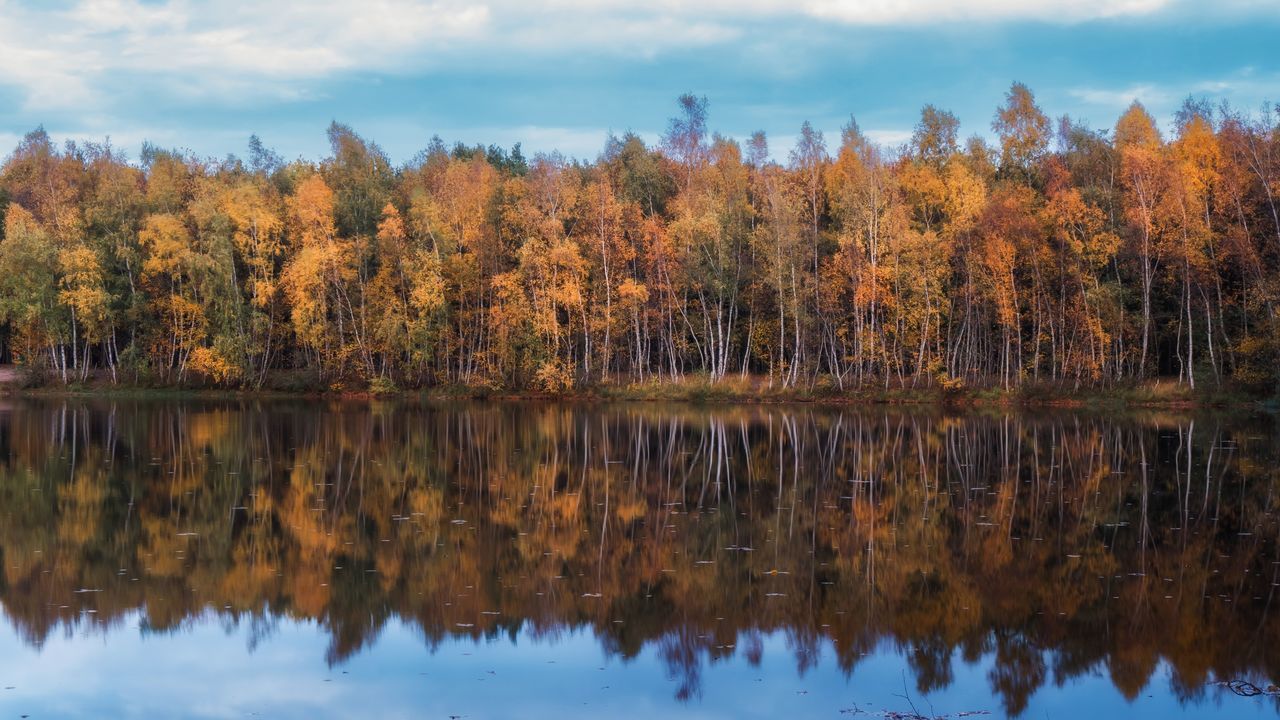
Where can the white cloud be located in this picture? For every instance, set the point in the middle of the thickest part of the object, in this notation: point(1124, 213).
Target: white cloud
point(1120, 98)
point(62, 56)
point(58, 57)
point(141, 68)
point(1245, 87)
point(881, 12)
point(878, 12)
point(888, 137)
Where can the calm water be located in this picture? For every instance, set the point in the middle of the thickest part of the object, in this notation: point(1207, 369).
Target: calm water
point(314, 559)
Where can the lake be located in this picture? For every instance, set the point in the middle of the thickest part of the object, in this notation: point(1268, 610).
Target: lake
point(309, 558)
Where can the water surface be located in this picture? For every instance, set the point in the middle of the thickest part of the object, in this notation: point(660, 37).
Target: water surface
point(316, 559)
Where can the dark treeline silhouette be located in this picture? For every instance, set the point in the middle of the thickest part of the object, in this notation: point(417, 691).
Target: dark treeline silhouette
point(1053, 254)
point(1056, 546)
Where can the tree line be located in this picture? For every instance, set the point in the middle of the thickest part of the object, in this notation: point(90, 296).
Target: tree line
point(1052, 253)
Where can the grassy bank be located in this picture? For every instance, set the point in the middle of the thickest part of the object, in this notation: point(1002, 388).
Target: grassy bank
point(1162, 393)
point(1156, 393)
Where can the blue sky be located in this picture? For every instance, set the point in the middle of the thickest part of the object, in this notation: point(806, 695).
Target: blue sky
point(564, 674)
point(204, 75)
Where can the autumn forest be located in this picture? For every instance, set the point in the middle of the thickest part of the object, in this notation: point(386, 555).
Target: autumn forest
point(1049, 253)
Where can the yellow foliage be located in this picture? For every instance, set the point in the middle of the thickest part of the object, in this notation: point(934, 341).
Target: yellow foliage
point(210, 363)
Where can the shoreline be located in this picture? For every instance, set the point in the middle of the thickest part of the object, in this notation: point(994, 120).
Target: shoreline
point(1157, 394)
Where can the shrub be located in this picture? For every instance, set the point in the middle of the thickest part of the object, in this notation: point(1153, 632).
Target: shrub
point(382, 385)
point(553, 377)
point(1256, 363)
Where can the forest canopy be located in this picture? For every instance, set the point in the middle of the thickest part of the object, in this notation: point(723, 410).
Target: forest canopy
point(1051, 252)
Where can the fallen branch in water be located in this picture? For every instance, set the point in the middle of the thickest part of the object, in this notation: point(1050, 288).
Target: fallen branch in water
point(911, 715)
point(1244, 688)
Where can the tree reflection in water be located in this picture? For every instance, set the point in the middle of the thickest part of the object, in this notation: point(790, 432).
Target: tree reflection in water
point(1053, 544)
